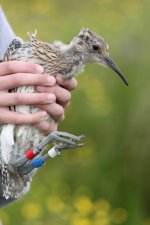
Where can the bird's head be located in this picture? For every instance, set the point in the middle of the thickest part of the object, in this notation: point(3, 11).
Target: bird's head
point(96, 50)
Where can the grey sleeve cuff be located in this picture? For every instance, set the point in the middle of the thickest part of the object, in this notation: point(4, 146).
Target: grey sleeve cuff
point(4, 202)
point(6, 33)
point(6, 36)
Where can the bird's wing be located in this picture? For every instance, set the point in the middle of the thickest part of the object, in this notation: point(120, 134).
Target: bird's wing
point(40, 45)
point(12, 48)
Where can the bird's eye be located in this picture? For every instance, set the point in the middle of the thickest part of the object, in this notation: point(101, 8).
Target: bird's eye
point(95, 47)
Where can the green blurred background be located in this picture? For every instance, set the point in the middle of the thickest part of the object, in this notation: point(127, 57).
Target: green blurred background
point(106, 182)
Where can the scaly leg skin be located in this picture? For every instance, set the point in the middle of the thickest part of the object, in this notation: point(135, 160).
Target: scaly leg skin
point(61, 137)
point(65, 146)
point(62, 140)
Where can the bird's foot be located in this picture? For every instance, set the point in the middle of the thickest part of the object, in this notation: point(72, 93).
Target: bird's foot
point(66, 146)
point(62, 140)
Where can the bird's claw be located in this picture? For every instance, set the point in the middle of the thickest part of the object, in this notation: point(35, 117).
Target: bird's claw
point(65, 146)
point(62, 140)
point(65, 137)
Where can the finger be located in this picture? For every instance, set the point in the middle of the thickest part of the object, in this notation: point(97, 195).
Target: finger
point(12, 67)
point(46, 127)
point(69, 84)
point(55, 110)
point(9, 99)
point(63, 96)
point(20, 119)
point(22, 79)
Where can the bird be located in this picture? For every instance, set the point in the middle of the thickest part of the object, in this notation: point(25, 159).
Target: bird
point(57, 59)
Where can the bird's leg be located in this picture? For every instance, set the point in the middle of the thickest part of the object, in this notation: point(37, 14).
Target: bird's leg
point(62, 137)
point(61, 140)
point(65, 146)
point(66, 141)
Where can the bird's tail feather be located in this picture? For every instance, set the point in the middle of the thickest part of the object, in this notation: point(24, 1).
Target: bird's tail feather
point(13, 184)
point(7, 142)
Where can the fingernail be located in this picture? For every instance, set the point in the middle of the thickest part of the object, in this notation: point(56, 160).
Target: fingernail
point(51, 80)
point(51, 98)
point(39, 69)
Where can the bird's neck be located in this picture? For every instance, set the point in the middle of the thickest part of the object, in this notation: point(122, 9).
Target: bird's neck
point(73, 60)
point(71, 53)
point(58, 58)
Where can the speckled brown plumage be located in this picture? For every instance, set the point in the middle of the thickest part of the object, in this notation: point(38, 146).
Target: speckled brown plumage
point(58, 59)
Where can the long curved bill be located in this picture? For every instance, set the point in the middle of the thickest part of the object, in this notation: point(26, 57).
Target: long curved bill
point(108, 62)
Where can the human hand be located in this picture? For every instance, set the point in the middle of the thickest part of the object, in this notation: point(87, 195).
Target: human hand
point(56, 110)
point(14, 74)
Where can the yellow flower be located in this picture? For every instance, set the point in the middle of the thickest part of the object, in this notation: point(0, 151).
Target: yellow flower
point(102, 205)
point(119, 216)
point(102, 212)
point(55, 204)
point(31, 210)
point(102, 221)
point(79, 220)
point(84, 205)
point(4, 217)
